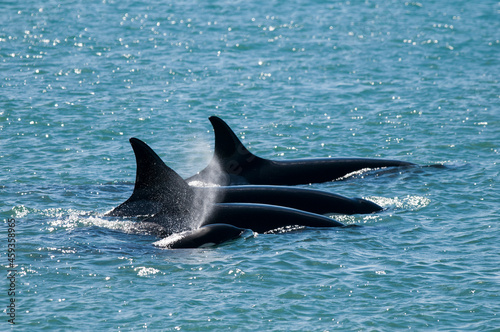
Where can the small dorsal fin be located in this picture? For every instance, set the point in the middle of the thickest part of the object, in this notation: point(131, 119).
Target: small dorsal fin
point(230, 160)
point(157, 188)
point(227, 144)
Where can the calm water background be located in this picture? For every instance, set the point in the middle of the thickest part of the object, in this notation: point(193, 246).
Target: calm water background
point(416, 81)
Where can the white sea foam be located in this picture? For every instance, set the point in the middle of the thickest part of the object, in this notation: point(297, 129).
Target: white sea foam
point(71, 219)
point(143, 271)
point(408, 202)
point(355, 173)
point(169, 240)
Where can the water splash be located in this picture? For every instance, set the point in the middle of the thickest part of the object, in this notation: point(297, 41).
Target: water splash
point(409, 202)
point(359, 173)
point(143, 271)
point(203, 202)
point(21, 211)
point(169, 240)
point(73, 219)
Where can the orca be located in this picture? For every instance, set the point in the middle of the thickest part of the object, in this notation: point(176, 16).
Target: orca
point(233, 164)
point(205, 236)
point(157, 188)
point(165, 200)
point(315, 201)
point(310, 200)
point(263, 218)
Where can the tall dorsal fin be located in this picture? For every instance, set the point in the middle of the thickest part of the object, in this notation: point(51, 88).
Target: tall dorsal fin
point(157, 188)
point(227, 144)
point(152, 174)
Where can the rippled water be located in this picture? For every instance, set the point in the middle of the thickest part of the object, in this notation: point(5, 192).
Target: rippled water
point(401, 80)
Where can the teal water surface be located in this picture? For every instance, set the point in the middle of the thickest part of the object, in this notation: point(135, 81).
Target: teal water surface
point(415, 81)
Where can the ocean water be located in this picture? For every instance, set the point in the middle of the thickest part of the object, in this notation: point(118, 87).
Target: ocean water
point(416, 81)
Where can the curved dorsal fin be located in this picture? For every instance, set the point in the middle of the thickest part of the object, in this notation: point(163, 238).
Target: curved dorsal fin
point(227, 144)
point(157, 188)
point(152, 173)
point(231, 158)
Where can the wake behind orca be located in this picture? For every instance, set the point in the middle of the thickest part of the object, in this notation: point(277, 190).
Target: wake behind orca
point(170, 205)
point(234, 164)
